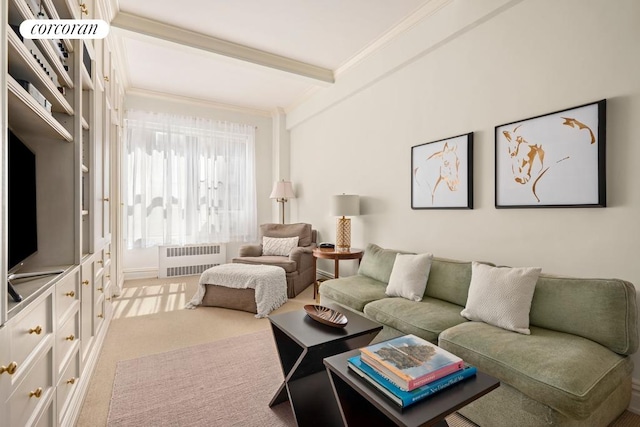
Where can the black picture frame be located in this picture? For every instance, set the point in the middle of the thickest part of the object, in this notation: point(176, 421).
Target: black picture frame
point(442, 173)
point(553, 160)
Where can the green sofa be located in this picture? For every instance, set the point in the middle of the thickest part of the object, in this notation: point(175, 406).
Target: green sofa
point(573, 370)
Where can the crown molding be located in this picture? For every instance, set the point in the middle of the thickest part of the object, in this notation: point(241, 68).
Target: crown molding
point(200, 102)
point(218, 46)
point(421, 13)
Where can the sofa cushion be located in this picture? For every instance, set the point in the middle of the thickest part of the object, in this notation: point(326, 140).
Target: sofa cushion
point(603, 310)
point(279, 261)
point(501, 296)
point(426, 319)
point(353, 291)
point(571, 374)
point(302, 230)
point(409, 276)
point(377, 262)
point(449, 280)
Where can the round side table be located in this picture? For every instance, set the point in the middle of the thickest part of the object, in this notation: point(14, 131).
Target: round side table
point(336, 255)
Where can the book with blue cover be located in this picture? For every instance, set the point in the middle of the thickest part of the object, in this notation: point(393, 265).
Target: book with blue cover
point(401, 397)
point(410, 361)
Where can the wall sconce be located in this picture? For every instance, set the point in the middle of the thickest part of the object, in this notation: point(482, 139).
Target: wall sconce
point(282, 191)
point(344, 205)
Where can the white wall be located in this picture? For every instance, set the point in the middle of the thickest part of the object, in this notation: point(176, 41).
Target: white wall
point(470, 67)
point(144, 262)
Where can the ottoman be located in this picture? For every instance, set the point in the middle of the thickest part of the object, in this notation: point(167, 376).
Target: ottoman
point(254, 288)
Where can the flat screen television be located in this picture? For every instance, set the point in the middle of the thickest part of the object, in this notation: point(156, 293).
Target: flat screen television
point(22, 221)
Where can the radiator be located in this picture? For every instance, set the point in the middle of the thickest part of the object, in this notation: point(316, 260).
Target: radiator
point(188, 260)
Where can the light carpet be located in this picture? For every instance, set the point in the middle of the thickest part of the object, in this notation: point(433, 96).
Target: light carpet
point(224, 383)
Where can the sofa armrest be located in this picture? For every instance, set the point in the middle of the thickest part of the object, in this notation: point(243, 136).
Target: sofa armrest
point(250, 250)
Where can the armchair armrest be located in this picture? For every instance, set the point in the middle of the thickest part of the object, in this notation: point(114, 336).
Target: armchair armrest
point(297, 252)
point(250, 250)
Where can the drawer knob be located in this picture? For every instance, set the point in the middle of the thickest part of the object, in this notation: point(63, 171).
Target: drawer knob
point(101, 316)
point(99, 261)
point(85, 282)
point(101, 289)
point(37, 330)
point(108, 298)
point(106, 78)
point(106, 199)
point(83, 9)
point(70, 294)
point(70, 337)
point(108, 253)
point(36, 393)
point(71, 380)
point(9, 369)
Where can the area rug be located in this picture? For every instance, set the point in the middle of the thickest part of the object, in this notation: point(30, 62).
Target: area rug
point(223, 383)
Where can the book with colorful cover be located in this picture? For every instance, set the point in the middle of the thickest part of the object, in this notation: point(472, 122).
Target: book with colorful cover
point(410, 361)
point(401, 397)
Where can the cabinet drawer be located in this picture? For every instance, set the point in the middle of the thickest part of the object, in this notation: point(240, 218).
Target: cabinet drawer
point(67, 294)
point(47, 419)
point(67, 384)
point(32, 393)
point(66, 339)
point(30, 330)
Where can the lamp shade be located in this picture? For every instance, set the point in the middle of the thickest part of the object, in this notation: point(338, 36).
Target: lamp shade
point(345, 205)
point(282, 190)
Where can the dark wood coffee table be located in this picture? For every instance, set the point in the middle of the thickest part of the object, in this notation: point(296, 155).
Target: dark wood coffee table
point(362, 405)
point(302, 344)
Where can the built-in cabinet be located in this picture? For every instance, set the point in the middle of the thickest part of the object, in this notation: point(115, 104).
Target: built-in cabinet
point(50, 341)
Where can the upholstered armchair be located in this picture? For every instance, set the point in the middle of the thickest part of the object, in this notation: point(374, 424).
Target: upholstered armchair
point(278, 248)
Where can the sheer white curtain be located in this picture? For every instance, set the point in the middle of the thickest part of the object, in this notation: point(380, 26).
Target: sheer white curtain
point(188, 180)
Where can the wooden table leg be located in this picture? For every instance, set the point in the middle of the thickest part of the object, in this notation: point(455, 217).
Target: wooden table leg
point(336, 269)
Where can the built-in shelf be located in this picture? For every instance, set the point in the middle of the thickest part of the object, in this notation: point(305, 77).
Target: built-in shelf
point(45, 45)
point(22, 64)
point(26, 115)
point(53, 14)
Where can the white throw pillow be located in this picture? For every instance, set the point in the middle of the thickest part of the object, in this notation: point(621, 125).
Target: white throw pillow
point(409, 276)
point(501, 296)
point(278, 246)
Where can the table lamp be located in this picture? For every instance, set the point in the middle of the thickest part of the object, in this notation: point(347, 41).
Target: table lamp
point(344, 205)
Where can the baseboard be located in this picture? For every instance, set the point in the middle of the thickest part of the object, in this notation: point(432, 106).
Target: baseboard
point(140, 273)
point(634, 405)
point(321, 274)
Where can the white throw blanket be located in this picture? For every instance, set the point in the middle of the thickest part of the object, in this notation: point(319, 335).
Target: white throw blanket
point(269, 282)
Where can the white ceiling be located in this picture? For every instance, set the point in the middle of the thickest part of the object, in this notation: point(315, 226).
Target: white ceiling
point(255, 54)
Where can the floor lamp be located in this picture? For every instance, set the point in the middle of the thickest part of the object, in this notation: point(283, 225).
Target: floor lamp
point(342, 206)
point(282, 191)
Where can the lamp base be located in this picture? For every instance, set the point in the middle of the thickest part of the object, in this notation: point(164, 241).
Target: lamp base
point(343, 234)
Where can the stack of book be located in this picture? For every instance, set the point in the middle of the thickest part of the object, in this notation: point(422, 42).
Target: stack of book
point(408, 369)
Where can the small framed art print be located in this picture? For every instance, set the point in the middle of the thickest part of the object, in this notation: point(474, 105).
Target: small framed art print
point(442, 174)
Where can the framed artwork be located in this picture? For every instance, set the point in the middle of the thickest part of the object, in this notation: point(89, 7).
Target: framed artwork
point(441, 174)
point(553, 160)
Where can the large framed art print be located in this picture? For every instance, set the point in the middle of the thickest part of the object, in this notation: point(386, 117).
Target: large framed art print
point(442, 174)
point(553, 160)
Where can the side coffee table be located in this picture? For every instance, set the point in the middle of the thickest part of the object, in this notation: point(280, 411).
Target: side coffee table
point(362, 405)
point(302, 344)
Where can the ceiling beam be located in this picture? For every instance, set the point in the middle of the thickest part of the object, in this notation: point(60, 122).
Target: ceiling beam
point(195, 40)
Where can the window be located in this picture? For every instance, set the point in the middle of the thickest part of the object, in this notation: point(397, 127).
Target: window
point(188, 180)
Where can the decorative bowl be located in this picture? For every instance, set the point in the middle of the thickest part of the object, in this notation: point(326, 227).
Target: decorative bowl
point(326, 315)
